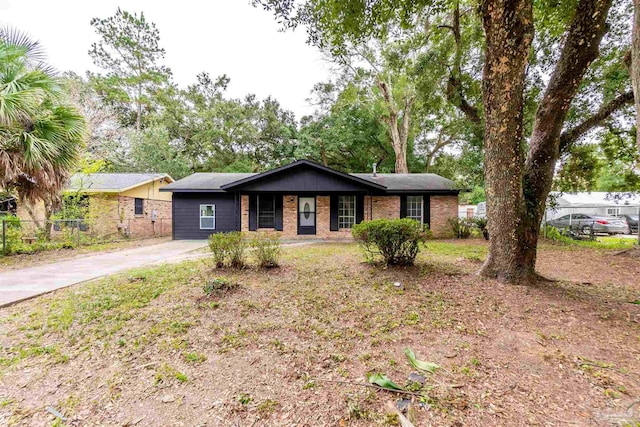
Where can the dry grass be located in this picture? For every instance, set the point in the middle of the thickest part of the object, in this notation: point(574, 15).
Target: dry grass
point(148, 346)
point(14, 262)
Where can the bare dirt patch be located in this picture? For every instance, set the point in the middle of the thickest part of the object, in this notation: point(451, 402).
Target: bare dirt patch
point(145, 348)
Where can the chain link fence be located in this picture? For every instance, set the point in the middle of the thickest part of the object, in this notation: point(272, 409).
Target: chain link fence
point(28, 236)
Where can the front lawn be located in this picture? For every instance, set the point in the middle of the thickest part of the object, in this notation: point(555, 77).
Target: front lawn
point(148, 347)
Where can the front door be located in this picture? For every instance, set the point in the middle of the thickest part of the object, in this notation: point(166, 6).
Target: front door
point(306, 215)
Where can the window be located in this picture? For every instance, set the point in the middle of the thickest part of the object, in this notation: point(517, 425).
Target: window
point(266, 212)
point(613, 211)
point(139, 206)
point(346, 211)
point(414, 208)
point(207, 217)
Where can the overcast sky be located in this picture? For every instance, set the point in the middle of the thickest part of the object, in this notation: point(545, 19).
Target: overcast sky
point(217, 36)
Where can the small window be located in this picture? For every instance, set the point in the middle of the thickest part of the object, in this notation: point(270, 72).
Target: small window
point(139, 206)
point(266, 211)
point(207, 217)
point(346, 211)
point(414, 208)
point(613, 211)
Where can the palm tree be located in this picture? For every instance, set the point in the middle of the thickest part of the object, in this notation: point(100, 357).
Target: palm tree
point(41, 134)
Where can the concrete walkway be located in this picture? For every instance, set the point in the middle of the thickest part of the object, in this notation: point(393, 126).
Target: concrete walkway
point(17, 285)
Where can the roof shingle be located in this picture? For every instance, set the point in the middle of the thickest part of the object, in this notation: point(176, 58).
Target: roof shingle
point(111, 181)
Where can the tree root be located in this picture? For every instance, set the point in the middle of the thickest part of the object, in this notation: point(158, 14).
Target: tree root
point(520, 278)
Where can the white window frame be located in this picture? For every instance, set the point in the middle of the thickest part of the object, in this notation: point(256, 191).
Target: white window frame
point(409, 208)
point(213, 209)
point(616, 211)
point(346, 219)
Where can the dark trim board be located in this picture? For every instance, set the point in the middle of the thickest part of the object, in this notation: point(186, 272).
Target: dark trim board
point(186, 214)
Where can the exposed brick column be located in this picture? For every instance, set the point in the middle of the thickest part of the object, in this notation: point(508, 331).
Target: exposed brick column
point(290, 216)
point(244, 211)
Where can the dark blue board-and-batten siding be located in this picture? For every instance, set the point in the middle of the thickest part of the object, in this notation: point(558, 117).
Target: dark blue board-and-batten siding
point(186, 214)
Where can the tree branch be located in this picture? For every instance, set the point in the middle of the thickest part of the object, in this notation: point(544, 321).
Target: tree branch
point(605, 111)
point(580, 49)
point(455, 93)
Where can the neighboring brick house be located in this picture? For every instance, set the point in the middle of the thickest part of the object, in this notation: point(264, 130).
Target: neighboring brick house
point(129, 203)
point(305, 199)
point(117, 203)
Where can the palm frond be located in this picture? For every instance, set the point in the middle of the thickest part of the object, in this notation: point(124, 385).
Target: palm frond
point(40, 134)
point(34, 51)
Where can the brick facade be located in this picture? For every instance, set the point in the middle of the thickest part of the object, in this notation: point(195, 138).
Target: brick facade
point(388, 207)
point(443, 208)
point(385, 207)
point(143, 225)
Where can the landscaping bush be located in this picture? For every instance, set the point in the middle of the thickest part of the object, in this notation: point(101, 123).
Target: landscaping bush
point(218, 248)
point(397, 240)
point(228, 248)
point(552, 233)
point(13, 239)
point(267, 249)
point(481, 224)
point(236, 249)
point(461, 227)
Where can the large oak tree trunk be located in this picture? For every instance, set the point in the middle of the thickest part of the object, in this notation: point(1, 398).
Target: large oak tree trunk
point(517, 193)
point(635, 64)
point(509, 30)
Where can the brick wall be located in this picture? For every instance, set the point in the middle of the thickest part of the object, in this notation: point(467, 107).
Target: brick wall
point(442, 208)
point(386, 207)
point(142, 225)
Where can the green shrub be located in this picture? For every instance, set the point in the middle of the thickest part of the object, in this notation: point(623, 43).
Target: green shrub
point(218, 248)
point(228, 248)
point(267, 249)
point(481, 224)
point(461, 227)
point(397, 240)
point(552, 233)
point(219, 285)
point(236, 249)
point(13, 239)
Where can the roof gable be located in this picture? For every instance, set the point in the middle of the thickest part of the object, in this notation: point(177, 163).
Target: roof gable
point(112, 182)
point(303, 175)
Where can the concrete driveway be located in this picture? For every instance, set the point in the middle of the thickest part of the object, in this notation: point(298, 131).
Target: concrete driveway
point(17, 285)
